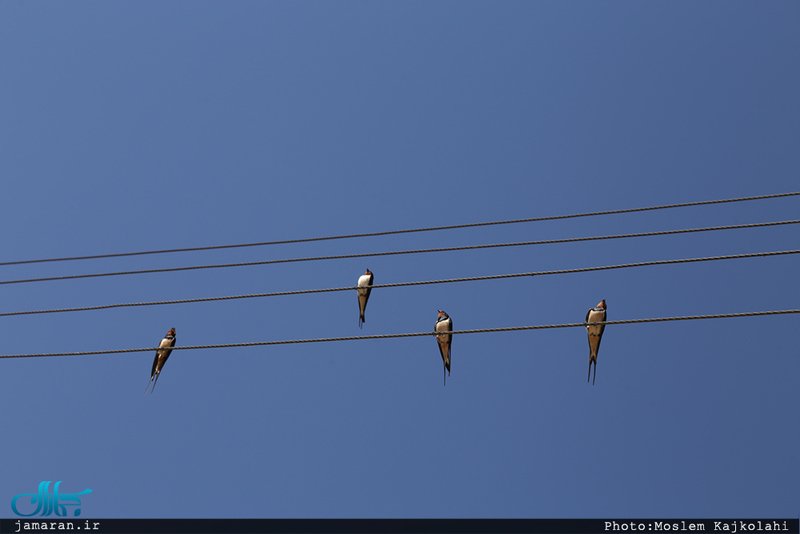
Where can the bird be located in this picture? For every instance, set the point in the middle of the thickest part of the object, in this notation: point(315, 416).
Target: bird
point(444, 324)
point(595, 315)
point(162, 354)
point(364, 281)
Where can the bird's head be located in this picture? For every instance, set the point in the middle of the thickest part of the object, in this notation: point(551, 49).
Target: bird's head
point(171, 332)
point(602, 304)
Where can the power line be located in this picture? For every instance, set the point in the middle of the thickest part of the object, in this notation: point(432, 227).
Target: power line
point(405, 284)
point(399, 252)
point(405, 231)
point(414, 334)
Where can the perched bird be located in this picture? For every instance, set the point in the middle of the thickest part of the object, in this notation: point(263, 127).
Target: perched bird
point(595, 315)
point(364, 289)
point(162, 354)
point(444, 324)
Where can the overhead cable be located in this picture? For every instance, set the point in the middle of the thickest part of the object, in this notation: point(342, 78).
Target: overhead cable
point(406, 284)
point(400, 252)
point(405, 231)
point(414, 334)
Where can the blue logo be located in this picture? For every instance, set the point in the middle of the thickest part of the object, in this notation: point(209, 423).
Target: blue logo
point(47, 503)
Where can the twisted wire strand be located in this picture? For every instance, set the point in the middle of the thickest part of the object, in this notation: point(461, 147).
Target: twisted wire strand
point(413, 334)
point(406, 284)
point(400, 252)
point(405, 231)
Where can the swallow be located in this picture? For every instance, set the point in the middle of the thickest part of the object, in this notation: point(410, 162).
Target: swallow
point(162, 354)
point(444, 324)
point(364, 289)
point(595, 315)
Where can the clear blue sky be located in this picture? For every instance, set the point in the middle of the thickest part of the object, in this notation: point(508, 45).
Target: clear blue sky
point(145, 125)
